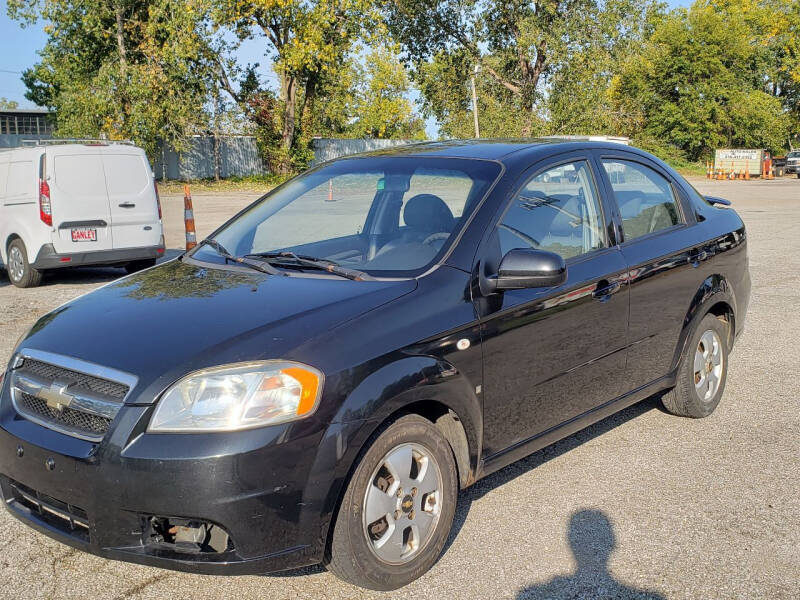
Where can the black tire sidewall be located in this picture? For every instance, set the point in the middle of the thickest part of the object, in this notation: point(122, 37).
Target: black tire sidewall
point(349, 534)
point(30, 277)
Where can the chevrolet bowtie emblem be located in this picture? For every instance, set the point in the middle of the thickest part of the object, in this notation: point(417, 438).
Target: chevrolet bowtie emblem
point(56, 395)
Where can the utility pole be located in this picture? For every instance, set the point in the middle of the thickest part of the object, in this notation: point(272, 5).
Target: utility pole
point(475, 101)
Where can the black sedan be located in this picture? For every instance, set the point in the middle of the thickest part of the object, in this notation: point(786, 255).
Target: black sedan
point(316, 381)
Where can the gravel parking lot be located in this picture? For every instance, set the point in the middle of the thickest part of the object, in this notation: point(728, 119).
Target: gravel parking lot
point(641, 505)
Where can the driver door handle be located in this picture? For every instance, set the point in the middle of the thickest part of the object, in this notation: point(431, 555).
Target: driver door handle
point(127, 205)
point(605, 290)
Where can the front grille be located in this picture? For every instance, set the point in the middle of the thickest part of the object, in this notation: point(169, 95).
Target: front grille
point(82, 381)
point(66, 517)
point(76, 420)
point(67, 395)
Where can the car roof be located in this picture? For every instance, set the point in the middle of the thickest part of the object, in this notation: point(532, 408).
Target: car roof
point(493, 149)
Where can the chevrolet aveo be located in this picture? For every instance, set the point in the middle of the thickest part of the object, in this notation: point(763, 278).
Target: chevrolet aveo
point(316, 381)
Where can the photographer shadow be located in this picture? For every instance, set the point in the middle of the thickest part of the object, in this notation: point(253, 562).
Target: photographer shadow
point(591, 538)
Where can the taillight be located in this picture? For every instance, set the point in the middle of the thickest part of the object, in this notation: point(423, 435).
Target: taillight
point(158, 198)
point(45, 210)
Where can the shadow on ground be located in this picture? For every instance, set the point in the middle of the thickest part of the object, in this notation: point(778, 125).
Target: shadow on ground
point(591, 538)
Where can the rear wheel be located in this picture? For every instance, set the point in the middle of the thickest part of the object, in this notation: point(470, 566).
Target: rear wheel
point(138, 265)
point(702, 372)
point(20, 272)
point(398, 508)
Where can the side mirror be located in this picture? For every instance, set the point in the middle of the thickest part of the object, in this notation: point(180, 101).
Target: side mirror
point(523, 268)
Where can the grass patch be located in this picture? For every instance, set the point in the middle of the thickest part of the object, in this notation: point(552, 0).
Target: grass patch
point(685, 167)
point(250, 183)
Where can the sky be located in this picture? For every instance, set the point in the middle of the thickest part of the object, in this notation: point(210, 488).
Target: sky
point(18, 48)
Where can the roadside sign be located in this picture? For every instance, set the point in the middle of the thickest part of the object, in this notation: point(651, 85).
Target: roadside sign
point(739, 159)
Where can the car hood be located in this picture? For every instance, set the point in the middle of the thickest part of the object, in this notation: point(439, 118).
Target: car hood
point(170, 320)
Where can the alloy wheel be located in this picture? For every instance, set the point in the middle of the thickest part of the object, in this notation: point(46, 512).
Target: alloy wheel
point(16, 263)
point(402, 503)
point(708, 365)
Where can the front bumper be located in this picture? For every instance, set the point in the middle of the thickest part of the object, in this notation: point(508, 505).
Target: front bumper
point(48, 258)
point(795, 168)
point(269, 489)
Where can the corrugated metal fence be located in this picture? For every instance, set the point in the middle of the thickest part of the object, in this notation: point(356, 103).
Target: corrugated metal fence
point(238, 154)
point(329, 148)
point(238, 157)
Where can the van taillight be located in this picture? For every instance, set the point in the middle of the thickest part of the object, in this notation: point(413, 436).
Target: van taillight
point(158, 198)
point(45, 210)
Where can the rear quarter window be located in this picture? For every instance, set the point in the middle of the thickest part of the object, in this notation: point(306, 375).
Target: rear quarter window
point(21, 181)
point(3, 178)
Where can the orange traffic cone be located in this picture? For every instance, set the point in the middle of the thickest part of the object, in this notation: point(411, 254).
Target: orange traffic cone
point(188, 219)
point(747, 171)
point(330, 190)
point(771, 174)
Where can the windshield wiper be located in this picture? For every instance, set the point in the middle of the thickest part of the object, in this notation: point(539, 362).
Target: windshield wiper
point(258, 266)
point(323, 264)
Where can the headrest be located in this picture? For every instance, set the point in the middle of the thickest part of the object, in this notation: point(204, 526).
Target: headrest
point(428, 212)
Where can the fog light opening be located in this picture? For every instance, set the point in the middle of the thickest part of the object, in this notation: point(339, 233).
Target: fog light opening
point(187, 535)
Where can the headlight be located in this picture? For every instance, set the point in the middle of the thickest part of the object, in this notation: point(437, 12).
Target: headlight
point(240, 396)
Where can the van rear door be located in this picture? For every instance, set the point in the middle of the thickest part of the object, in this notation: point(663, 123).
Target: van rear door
point(132, 198)
point(81, 217)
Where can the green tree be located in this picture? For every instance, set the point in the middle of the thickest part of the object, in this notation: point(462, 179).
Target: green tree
point(368, 98)
point(703, 81)
point(307, 41)
point(8, 104)
point(134, 69)
point(527, 53)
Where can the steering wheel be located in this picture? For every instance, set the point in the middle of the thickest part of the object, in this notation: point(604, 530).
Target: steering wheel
point(442, 235)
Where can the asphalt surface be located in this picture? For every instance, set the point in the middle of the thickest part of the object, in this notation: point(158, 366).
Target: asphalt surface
point(640, 505)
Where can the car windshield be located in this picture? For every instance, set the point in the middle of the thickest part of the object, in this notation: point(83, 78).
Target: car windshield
point(384, 216)
point(793, 155)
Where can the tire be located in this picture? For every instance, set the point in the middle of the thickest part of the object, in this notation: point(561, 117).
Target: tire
point(695, 393)
point(20, 272)
point(138, 265)
point(354, 555)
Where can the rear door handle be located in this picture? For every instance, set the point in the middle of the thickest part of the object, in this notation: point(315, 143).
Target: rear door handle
point(127, 205)
point(605, 290)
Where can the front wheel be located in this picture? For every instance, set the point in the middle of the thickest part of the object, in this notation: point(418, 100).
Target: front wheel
point(398, 508)
point(702, 372)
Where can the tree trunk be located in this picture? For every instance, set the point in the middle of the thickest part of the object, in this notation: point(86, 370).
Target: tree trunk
point(123, 53)
point(289, 125)
point(307, 109)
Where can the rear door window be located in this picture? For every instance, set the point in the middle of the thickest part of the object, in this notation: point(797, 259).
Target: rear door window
point(645, 198)
point(125, 174)
point(80, 175)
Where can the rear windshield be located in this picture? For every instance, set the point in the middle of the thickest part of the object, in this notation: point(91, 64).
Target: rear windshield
point(387, 216)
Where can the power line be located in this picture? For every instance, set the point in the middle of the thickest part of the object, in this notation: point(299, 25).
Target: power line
point(7, 71)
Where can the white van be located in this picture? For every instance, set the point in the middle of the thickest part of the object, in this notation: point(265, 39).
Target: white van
point(73, 204)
